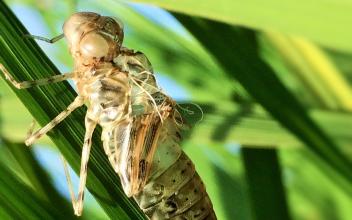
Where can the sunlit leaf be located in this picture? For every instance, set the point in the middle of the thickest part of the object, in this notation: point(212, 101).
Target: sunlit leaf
point(295, 17)
point(237, 50)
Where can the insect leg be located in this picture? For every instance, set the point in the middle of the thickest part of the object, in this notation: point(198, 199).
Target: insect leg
point(79, 101)
point(51, 41)
point(69, 181)
point(31, 128)
point(38, 82)
point(78, 204)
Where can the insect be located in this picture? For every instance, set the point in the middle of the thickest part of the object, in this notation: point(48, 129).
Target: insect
point(141, 126)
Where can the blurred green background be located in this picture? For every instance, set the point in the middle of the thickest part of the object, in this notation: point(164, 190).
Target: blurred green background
point(273, 139)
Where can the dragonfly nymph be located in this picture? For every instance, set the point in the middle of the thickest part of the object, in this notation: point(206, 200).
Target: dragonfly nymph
point(140, 124)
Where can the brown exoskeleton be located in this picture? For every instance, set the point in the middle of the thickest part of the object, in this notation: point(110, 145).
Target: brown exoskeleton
point(140, 124)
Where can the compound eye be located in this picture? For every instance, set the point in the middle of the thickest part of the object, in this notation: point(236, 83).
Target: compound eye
point(94, 45)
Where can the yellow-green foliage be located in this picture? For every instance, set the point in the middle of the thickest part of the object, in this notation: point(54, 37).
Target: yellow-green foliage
point(270, 76)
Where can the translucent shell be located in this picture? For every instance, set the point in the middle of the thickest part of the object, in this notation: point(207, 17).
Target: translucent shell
point(76, 25)
point(94, 45)
point(92, 37)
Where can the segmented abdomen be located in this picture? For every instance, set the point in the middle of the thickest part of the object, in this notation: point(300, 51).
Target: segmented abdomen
point(174, 189)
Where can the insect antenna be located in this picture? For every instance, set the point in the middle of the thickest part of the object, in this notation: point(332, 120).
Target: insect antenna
point(51, 41)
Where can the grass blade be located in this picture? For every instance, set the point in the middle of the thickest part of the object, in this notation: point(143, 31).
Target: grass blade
point(315, 70)
point(38, 178)
point(30, 206)
point(266, 190)
point(257, 128)
point(295, 17)
point(237, 51)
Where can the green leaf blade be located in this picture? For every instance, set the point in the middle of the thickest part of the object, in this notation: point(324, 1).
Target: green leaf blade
point(294, 17)
point(237, 51)
point(267, 193)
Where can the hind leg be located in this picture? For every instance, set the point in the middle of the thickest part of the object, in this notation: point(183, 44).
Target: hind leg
point(78, 203)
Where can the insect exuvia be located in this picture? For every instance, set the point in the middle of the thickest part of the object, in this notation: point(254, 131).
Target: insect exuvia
point(140, 124)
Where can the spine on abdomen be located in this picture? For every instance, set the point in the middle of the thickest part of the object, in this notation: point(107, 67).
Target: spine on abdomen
point(174, 189)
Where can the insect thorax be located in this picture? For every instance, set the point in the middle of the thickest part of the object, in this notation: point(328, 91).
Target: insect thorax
point(107, 92)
